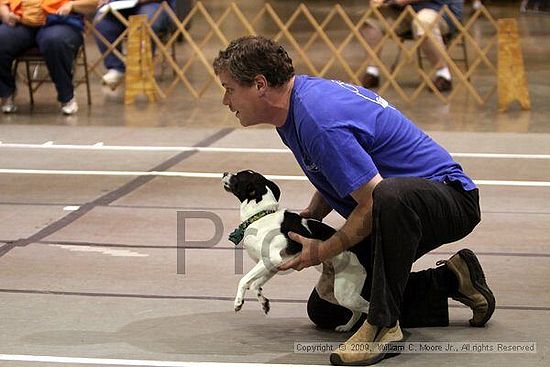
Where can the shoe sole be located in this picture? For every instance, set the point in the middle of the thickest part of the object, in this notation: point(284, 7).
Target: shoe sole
point(111, 86)
point(477, 277)
point(335, 359)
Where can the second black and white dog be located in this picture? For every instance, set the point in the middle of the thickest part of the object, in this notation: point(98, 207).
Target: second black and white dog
point(264, 233)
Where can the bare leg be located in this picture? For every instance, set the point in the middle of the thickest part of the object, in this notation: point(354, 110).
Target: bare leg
point(434, 56)
point(427, 20)
point(373, 36)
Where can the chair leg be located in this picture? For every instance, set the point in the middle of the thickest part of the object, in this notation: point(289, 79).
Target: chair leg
point(29, 82)
point(465, 52)
point(86, 75)
point(174, 57)
point(396, 61)
point(419, 57)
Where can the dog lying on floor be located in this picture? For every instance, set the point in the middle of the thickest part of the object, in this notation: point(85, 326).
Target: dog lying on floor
point(264, 233)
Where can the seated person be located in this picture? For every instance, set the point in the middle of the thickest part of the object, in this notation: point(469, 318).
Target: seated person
point(111, 28)
point(55, 27)
point(427, 14)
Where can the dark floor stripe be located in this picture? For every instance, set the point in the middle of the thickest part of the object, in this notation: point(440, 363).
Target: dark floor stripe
point(215, 298)
point(117, 193)
point(6, 248)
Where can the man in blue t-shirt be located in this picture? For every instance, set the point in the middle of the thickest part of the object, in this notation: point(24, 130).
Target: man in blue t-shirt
point(401, 193)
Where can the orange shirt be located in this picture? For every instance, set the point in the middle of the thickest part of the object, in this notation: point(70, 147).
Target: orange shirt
point(33, 12)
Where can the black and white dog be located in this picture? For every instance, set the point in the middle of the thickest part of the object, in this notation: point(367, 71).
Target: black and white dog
point(264, 233)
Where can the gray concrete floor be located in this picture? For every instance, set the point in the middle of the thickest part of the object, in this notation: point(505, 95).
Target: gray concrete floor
point(102, 282)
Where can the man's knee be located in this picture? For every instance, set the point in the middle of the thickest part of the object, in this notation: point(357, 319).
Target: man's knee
point(387, 194)
point(326, 315)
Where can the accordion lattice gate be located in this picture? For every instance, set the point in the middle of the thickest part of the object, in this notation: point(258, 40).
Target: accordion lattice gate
point(326, 43)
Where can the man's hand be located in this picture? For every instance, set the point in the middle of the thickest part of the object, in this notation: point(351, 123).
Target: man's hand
point(309, 256)
point(65, 9)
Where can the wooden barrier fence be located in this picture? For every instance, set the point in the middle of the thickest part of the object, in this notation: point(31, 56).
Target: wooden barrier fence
point(328, 44)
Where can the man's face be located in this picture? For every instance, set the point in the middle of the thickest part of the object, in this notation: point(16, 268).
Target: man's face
point(245, 101)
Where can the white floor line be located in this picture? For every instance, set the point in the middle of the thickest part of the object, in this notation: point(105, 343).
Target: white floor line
point(132, 362)
point(98, 146)
point(102, 146)
point(219, 175)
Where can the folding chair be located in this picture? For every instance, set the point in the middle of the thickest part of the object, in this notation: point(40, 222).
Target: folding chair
point(34, 57)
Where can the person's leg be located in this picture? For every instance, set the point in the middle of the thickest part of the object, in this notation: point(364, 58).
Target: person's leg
point(425, 303)
point(373, 32)
point(428, 20)
point(110, 28)
point(59, 44)
point(13, 42)
point(411, 216)
point(161, 21)
point(425, 299)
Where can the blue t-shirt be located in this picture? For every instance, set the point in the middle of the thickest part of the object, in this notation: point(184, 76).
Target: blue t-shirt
point(342, 135)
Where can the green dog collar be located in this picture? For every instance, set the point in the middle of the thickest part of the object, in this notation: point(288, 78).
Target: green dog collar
point(238, 234)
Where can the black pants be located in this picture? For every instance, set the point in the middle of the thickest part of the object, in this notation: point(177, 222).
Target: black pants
point(411, 216)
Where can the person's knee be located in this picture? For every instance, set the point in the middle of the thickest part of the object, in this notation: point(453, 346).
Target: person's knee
point(61, 42)
point(52, 43)
point(6, 43)
point(426, 20)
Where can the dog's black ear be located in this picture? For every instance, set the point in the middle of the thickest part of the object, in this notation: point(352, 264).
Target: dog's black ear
point(274, 189)
point(251, 192)
point(259, 188)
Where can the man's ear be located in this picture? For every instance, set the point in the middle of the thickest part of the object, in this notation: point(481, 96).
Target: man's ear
point(260, 82)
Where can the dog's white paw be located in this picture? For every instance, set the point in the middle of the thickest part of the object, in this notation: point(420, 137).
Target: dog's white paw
point(238, 305)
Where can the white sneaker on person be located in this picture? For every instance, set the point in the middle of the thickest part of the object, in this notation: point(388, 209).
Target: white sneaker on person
point(8, 105)
point(113, 77)
point(69, 108)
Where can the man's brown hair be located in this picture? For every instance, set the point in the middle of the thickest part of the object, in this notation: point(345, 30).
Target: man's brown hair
point(249, 56)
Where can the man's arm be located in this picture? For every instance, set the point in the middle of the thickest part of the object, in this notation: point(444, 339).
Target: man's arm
point(356, 228)
point(318, 208)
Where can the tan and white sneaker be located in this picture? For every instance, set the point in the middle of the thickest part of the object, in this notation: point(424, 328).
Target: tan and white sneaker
point(369, 345)
point(473, 290)
point(8, 105)
point(69, 108)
